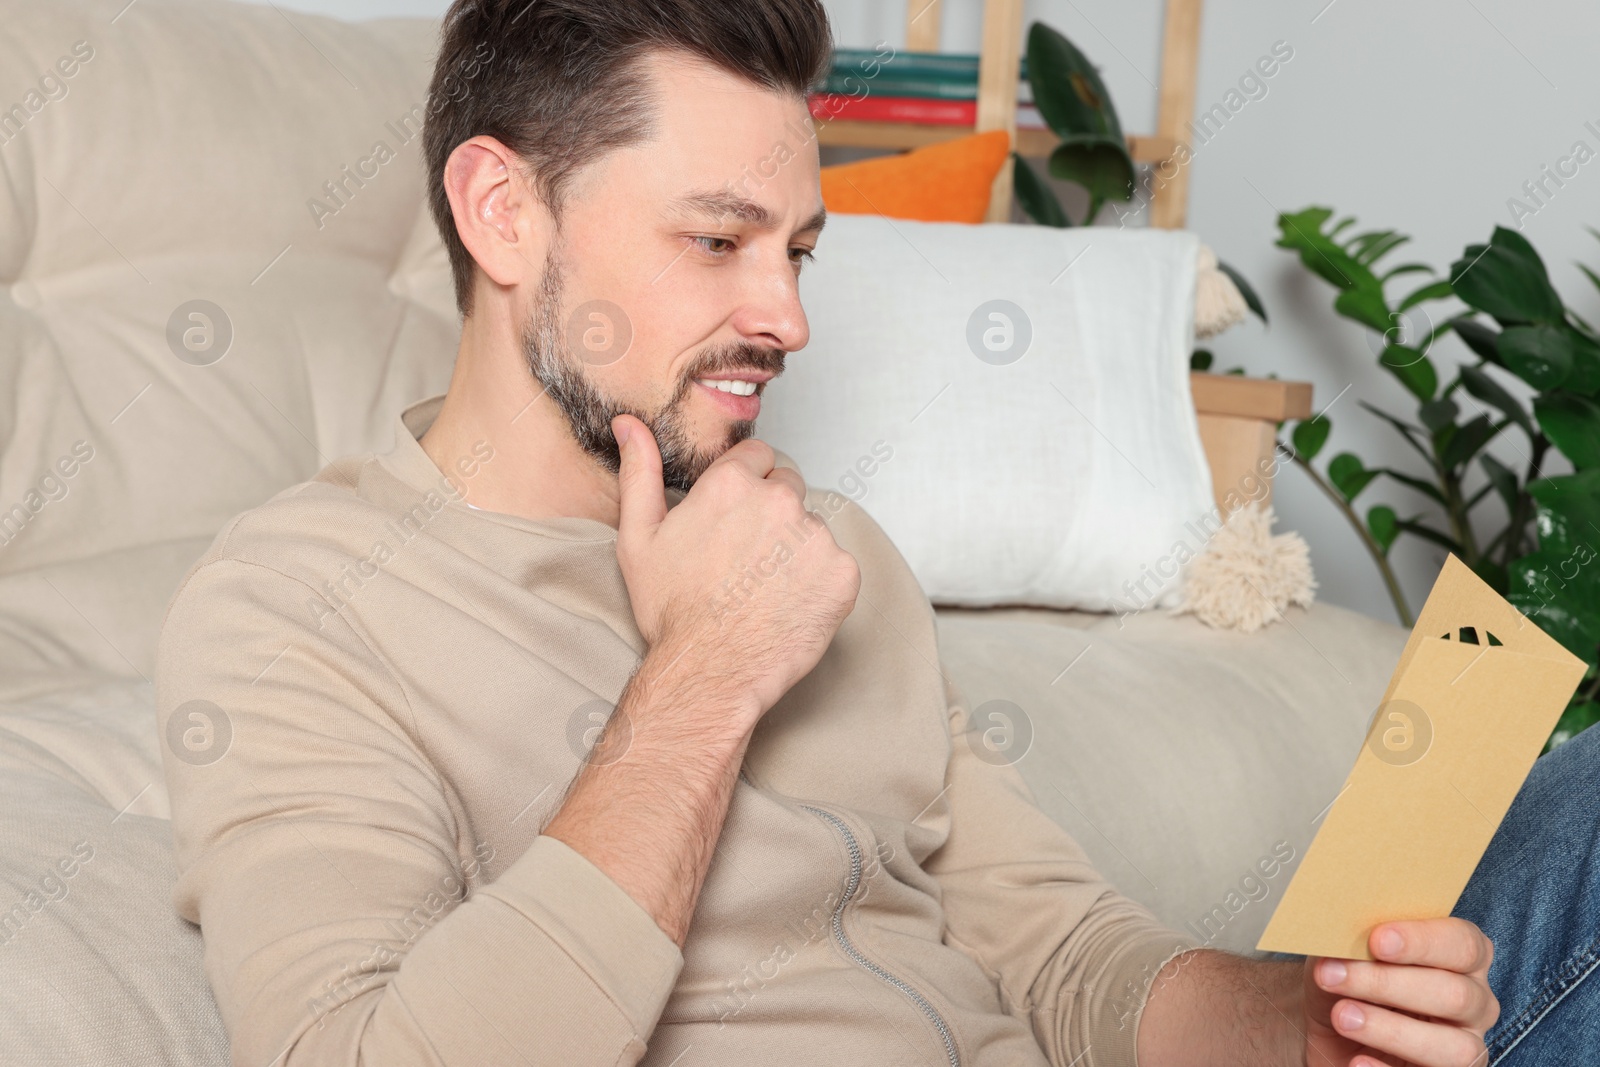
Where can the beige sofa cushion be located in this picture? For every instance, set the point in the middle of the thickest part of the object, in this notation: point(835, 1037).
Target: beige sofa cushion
point(179, 162)
point(1180, 757)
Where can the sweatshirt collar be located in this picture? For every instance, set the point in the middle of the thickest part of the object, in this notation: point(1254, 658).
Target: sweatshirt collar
point(408, 462)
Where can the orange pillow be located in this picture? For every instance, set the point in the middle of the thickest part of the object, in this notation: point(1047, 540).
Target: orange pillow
point(948, 182)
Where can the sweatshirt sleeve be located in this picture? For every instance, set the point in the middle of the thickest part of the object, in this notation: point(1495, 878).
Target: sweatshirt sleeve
point(319, 852)
point(1072, 956)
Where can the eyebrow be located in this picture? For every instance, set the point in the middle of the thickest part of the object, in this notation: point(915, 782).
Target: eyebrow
point(721, 204)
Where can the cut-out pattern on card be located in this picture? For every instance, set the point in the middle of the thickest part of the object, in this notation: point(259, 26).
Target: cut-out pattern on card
point(1469, 635)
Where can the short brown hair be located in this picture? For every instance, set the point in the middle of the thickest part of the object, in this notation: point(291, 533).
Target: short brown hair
point(558, 81)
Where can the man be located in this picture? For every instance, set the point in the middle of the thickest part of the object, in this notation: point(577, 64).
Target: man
point(420, 848)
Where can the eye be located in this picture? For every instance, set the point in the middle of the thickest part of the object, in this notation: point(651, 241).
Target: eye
point(799, 256)
point(716, 246)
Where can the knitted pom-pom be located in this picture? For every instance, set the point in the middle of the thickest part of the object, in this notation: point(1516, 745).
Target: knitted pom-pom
point(1218, 304)
point(1246, 576)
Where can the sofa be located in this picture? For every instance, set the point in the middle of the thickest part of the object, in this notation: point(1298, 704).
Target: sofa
point(217, 274)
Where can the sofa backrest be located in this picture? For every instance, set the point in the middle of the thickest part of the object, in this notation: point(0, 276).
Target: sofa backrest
point(217, 273)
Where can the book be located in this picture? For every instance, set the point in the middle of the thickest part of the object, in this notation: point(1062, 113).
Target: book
point(874, 108)
point(911, 64)
point(921, 111)
point(887, 83)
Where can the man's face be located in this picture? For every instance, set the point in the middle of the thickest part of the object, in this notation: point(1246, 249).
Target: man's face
point(670, 291)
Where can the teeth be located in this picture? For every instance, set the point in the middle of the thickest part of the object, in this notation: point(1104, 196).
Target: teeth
point(734, 386)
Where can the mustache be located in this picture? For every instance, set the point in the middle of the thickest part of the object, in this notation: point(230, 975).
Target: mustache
point(740, 355)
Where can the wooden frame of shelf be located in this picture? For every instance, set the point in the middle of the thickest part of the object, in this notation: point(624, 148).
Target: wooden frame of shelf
point(1238, 420)
point(1031, 143)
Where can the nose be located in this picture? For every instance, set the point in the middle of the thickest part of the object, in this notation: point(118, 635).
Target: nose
point(771, 315)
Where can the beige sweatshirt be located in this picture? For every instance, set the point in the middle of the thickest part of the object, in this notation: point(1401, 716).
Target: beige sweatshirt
point(373, 698)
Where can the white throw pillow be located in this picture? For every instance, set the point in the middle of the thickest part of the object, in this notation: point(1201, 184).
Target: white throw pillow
point(1010, 403)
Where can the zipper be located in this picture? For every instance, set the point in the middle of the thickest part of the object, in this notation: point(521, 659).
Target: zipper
point(850, 949)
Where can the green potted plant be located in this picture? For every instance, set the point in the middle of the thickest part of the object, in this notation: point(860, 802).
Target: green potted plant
point(1542, 553)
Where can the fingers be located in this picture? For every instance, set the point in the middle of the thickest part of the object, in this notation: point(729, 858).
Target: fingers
point(1398, 1036)
point(641, 497)
point(751, 456)
point(790, 479)
point(1450, 944)
point(1435, 968)
point(1458, 998)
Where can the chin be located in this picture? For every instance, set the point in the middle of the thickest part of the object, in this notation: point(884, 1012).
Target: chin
point(708, 448)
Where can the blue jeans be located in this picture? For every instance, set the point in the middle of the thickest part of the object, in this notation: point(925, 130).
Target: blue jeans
point(1536, 893)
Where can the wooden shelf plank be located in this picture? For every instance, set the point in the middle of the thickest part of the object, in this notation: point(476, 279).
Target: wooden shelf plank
point(1253, 398)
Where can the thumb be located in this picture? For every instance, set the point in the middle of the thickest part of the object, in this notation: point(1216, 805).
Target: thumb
point(641, 497)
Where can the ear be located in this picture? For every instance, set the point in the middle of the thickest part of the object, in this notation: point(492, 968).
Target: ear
point(504, 225)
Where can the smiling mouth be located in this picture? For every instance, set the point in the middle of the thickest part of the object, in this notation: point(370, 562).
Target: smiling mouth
point(736, 386)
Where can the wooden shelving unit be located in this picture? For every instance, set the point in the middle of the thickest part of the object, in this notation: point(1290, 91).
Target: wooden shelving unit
point(999, 64)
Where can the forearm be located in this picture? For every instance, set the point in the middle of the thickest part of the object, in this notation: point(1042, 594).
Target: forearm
point(648, 805)
point(1210, 1007)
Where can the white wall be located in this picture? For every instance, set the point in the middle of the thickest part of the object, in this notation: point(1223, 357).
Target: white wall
point(1424, 116)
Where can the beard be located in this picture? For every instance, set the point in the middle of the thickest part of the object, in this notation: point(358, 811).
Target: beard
point(589, 412)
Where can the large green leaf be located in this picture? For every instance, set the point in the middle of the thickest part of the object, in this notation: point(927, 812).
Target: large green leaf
point(1418, 528)
point(1558, 586)
point(1478, 337)
point(1384, 525)
point(1367, 306)
point(1570, 510)
point(1431, 291)
point(1506, 278)
point(1067, 88)
point(1428, 533)
point(1502, 478)
point(1585, 376)
point(1437, 414)
point(1540, 355)
point(1368, 248)
point(1349, 475)
point(1037, 199)
point(1251, 299)
point(1573, 425)
point(1099, 163)
point(1468, 441)
point(1405, 429)
point(1325, 257)
point(1427, 489)
point(1309, 437)
point(1414, 369)
point(1592, 276)
point(1405, 268)
point(1481, 384)
point(1074, 103)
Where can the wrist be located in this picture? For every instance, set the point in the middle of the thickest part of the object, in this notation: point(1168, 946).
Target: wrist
point(1283, 985)
point(701, 680)
point(1218, 1007)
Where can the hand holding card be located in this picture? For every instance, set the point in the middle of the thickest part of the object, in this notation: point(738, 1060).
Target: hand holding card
point(1478, 689)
